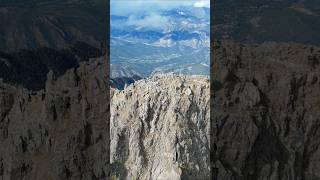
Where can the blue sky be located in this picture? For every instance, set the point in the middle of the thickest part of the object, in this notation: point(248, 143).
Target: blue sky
point(125, 7)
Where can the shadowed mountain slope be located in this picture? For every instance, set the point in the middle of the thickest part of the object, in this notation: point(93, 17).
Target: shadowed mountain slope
point(51, 23)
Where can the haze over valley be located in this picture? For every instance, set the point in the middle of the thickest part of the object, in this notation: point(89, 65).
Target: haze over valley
point(170, 39)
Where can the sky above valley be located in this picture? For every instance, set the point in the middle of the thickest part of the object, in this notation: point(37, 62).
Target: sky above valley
point(127, 7)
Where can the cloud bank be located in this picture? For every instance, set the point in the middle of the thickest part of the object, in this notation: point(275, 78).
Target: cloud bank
point(202, 3)
point(126, 7)
point(153, 20)
point(147, 13)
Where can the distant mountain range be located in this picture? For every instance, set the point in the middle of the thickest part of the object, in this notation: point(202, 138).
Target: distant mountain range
point(29, 68)
point(54, 24)
point(178, 44)
point(267, 20)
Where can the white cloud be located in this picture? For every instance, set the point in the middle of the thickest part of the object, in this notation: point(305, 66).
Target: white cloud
point(202, 3)
point(125, 7)
point(152, 20)
point(150, 9)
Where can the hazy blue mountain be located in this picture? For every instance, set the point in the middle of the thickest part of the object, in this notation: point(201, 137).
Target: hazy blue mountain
point(174, 40)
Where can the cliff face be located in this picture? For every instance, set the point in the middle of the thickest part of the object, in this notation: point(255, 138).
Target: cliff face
point(265, 106)
point(160, 129)
point(264, 121)
point(61, 132)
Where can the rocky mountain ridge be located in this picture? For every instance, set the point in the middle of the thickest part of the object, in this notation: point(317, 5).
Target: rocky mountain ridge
point(264, 121)
point(265, 111)
point(62, 131)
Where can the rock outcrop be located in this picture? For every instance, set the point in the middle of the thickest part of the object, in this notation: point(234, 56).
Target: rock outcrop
point(160, 129)
point(61, 132)
point(265, 104)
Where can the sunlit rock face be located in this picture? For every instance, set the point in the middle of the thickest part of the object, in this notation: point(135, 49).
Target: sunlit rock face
point(160, 129)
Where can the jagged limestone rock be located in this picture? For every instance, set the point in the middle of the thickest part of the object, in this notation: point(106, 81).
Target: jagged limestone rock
point(160, 129)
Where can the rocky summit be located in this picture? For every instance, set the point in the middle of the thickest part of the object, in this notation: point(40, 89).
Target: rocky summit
point(159, 129)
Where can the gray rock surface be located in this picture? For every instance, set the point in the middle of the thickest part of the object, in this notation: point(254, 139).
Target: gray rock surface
point(61, 132)
point(265, 107)
point(265, 104)
point(160, 129)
